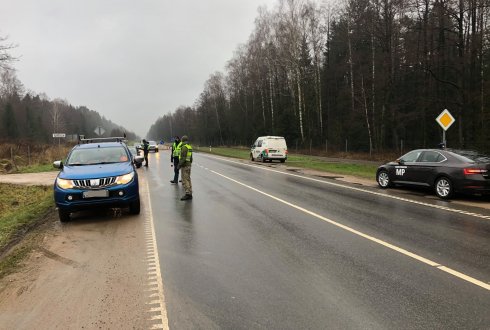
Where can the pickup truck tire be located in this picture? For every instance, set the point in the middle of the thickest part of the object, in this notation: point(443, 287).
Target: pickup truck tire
point(134, 207)
point(64, 215)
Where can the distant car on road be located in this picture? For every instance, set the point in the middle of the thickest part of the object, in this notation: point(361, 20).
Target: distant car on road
point(269, 148)
point(95, 174)
point(446, 171)
point(153, 146)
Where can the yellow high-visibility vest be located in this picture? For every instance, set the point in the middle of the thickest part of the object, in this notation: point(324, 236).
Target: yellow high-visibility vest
point(188, 158)
point(177, 148)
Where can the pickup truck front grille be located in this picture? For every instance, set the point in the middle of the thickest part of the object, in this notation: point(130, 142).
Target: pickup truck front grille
point(95, 183)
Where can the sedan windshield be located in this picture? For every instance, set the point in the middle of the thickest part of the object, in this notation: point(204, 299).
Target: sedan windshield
point(92, 156)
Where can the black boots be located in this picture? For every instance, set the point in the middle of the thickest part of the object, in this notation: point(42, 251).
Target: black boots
point(186, 197)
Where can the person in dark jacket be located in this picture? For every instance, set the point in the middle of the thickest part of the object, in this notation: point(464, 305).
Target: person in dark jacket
point(174, 159)
point(146, 150)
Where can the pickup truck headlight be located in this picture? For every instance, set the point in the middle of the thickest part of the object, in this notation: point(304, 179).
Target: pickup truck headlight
point(125, 179)
point(64, 184)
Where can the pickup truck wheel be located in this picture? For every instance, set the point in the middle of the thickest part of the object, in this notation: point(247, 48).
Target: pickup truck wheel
point(64, 215)
point(134, 207)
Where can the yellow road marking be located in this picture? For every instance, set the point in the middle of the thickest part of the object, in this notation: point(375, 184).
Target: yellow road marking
point(154, 270)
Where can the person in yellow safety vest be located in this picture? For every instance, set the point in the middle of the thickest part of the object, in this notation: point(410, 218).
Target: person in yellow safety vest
point(185, 162)
point(174, 159)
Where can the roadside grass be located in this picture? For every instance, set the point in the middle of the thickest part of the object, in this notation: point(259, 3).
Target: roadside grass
point(20, 208)
point(359, 170)
point(345, 168)
point(37, 168)
point(11, 261)
point(227, 152)
point(30, 158)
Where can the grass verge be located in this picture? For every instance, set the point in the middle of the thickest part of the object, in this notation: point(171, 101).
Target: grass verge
point(37, 168)
point(13, 259)
point(21, 208)
point(347, 168)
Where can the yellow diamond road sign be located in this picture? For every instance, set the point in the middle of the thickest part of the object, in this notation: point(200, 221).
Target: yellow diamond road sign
point(445, 119)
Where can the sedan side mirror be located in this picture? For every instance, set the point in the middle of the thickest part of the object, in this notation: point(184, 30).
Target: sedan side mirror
point(58, 164)
point(400, 161)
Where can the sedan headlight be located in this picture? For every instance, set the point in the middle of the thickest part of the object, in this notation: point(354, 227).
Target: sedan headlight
point(125, 179)
point(64, 184)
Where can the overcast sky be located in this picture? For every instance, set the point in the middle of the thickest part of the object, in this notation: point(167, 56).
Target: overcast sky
point(132, 61)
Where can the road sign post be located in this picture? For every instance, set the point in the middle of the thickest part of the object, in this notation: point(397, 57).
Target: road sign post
point(445, 120)
point(59, 136)
point(99, 130)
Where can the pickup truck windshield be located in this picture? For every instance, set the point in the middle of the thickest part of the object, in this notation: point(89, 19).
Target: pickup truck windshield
point(93, 156)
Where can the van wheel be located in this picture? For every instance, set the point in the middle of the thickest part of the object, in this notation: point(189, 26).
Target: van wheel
point(252, 157)
point(64, 215)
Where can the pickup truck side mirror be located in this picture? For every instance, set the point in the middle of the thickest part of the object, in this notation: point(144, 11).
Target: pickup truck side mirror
point(58, 164)
point(138, 160)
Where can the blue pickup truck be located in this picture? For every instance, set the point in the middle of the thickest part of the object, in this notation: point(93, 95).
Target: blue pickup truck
point(96, 173)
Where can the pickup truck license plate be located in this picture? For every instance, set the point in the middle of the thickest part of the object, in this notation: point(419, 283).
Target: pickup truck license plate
point(95, 193)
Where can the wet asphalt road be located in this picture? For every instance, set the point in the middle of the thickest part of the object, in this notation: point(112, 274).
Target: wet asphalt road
point(235, 258)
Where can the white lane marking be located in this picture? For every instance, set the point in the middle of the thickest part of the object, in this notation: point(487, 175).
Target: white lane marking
point(445, 208)
point(368, 237)
point(155, 270)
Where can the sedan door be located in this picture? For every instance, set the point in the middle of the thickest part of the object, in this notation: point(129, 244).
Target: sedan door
point(426, 167)
point(406, 169)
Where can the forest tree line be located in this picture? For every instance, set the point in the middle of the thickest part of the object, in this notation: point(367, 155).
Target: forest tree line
point(373, 74)
point(28, 116)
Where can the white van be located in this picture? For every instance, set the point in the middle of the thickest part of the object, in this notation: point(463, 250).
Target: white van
point(268, 148)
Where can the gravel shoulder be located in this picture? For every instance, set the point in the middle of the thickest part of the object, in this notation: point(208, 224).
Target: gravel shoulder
point(88, 273)
point(33, 179)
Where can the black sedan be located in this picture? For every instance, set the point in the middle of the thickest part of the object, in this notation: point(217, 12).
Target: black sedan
point(446, 171)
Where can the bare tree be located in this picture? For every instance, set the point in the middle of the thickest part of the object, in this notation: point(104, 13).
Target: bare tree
point(5, 57)
point(10, 85)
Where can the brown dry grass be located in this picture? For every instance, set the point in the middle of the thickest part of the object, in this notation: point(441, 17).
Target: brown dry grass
point(14, 156)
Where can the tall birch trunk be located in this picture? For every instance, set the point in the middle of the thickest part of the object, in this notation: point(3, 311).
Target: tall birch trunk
point(351, 66)
point(263, 107)
point(271, 94)
point(366, 112)
point(300, 104)
point(373, 85)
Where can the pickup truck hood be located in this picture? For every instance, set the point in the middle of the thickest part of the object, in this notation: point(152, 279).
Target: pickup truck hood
point(95, 171)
